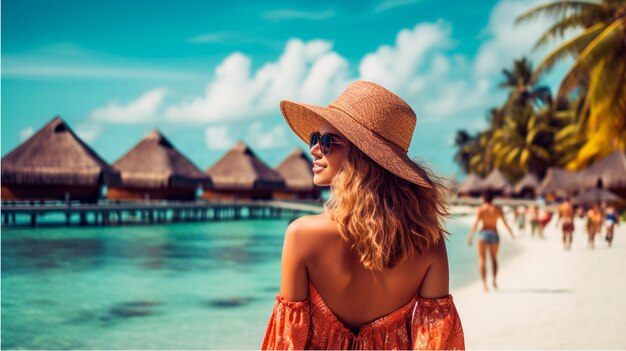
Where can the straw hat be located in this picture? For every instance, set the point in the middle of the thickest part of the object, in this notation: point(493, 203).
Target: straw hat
point(375, 120)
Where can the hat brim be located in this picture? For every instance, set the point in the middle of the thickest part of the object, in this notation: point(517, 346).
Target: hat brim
point(304, 119)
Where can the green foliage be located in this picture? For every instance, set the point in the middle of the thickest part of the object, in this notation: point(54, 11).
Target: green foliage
point(586, 121)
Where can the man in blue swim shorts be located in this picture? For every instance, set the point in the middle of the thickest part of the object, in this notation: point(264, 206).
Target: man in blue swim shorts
point(488, 238)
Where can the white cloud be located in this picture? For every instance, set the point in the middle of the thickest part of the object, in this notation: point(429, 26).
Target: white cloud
point(396, 66)
point(16, 68)
point(289, 14)
point(508, 41)
point(232, 38)
point(212, 37)
point(218, 138)
point(421, 68)
point(141, 110)
point(26, 133)
point(418, 66)
point(392, 4)
point(309, 71)
point(89, 132)
point(274, 138)
point(71, 61)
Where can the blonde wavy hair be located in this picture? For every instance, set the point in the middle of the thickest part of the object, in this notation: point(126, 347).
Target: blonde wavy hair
point(384, 217)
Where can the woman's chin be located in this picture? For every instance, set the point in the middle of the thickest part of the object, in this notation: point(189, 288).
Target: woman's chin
point(320, 180)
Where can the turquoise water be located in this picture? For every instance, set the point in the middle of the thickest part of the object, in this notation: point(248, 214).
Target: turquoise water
point(176, 286)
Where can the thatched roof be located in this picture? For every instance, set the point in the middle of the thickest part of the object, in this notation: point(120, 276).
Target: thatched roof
point(241, 169)
point(559, 180)
point(471, 184)
point(611, 169)
point(594, 195)
point(155, 163)
point(529, 181)
point(55, 155)
point(495, 181)
point(297, 171)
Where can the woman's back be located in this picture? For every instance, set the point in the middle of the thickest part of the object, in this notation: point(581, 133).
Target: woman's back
point(356, 294)
point(351, 277)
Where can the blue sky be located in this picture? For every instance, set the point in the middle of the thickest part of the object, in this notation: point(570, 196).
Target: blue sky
point(208, 74)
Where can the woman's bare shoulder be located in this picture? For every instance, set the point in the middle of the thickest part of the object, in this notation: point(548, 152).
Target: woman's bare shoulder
point(310, 229)
point(436, 281)
point(314, 225)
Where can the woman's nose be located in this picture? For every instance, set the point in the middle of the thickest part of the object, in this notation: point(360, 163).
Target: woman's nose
point(316, 152)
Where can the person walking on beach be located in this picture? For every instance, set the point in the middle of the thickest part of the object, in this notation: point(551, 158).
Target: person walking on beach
point(544, 219)
point(371, 272)
point(566, 217)
point(594, 224)
point(520, 218)
point(611, 220)
point(488, 238)
point(533, 219)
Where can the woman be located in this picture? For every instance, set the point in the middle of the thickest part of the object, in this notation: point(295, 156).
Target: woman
point(611, 220)
point(533, 218)
point(520, 218)
point(488, 238)
point(371, 272)
point(594, 224)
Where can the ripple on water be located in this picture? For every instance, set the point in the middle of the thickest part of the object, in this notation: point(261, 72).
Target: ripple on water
point(131, 309)
point(228, 302)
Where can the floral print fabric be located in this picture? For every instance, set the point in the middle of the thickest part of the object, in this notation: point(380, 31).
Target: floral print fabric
point(422, 324)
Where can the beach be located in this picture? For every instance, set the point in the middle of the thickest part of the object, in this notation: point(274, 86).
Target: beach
point(549, 298)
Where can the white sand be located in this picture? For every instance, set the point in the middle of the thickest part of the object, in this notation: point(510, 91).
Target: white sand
point(549, 298)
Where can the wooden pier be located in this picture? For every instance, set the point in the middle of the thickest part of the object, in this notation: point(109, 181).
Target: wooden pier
point(154, 212)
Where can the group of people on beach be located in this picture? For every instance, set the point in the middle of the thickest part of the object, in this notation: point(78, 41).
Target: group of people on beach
point(596, 218)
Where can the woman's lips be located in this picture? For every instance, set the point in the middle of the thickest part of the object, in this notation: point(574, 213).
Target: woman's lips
point(317, 169)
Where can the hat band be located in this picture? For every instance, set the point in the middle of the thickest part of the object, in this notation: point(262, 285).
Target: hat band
point(373, 131)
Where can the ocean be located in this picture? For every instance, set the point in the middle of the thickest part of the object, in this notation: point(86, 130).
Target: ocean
point(175, 286)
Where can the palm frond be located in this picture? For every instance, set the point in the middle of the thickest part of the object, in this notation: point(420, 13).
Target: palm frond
point(570, 48)
point(559, 10)
point(611, 38)
point(579, 20)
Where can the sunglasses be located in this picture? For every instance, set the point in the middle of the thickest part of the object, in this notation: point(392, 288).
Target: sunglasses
point(324, 140)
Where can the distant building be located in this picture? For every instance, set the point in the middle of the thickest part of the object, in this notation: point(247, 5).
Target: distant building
point(496, 183)
point(527, 186)
point(559, 182)
point(611, 171)
point(155, 169)
point(240, 174)
point(297, 171)
point(471, 186)
point(55, 164)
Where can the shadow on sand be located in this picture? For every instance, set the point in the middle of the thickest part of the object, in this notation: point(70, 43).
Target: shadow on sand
point(534, 291)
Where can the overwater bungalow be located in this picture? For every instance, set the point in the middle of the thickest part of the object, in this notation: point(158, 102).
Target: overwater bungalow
point(527, 186)
point(240, 174)
point(55, 164)
point(155, 169)
point(297, 172)
point(471, 186)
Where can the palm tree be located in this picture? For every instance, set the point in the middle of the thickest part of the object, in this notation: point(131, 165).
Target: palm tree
point(599, 69)
point(522, 142)
point(463, 140)
point(481, 161)
point(569, 138)
point(523, 88)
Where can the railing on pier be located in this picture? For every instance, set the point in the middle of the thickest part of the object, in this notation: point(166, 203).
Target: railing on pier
point(115, 213)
